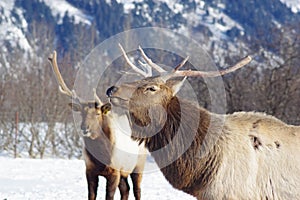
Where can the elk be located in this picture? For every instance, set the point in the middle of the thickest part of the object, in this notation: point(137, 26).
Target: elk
point(244, 155)
point(105, 135)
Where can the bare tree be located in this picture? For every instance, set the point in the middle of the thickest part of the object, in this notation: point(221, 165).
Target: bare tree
point(272, 85)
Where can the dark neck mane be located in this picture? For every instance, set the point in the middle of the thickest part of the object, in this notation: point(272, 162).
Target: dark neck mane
point(185, 125)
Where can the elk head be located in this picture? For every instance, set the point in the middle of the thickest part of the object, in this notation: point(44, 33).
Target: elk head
point(95, 116)
point(144, 93)
point(94, 113)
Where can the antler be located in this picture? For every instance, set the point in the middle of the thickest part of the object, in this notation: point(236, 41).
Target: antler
point(150, 63)
point(135, 68)
point(181, 64)
point(177, 73)
point(62, 85)
point(96, 97)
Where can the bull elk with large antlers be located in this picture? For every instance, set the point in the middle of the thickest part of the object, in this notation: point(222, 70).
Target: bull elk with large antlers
point(244, 155)
point(109, 150)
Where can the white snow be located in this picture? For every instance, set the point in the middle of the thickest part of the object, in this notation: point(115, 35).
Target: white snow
point(128, 7)
point(50, 179)
point(126, 1)
point(62, 6)
point(10, 29)
point(178, 8)
point(215, 15)
point(294, 5)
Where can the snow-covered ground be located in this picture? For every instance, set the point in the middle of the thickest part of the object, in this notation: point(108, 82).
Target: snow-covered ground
point(49, 179)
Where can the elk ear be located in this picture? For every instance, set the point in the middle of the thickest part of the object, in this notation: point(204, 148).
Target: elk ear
point(176, 85)
point(97, 105)
point(98, 108)
point(106, 108)
point(75, 107)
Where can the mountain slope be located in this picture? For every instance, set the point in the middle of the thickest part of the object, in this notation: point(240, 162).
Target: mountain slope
point(13, 27)
point(216, 24)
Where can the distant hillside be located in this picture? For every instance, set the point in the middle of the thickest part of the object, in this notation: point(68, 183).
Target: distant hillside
point(210, 22)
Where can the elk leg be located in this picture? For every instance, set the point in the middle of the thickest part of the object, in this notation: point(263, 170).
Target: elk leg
point(136, 182)
point(112, 183)
point(92, 181)
point(124, 188)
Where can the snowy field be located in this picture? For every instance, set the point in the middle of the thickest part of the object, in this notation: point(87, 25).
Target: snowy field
point(49, 179)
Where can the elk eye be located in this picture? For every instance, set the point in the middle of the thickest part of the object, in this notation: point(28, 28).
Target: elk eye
point(152, 88)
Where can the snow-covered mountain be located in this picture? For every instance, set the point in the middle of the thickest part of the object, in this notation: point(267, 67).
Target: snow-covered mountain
point(13, 27)
point(59, 8)
point(294, 5)
point(216, 23)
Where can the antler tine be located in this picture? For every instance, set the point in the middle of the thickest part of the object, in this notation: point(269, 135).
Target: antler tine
point(181, 64)
point(238, 65)
point(97, 97)
point(150, 63)
point(147, 67)
point(135, 68)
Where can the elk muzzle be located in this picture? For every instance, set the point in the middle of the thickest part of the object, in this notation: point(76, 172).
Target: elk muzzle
point(85, 129)
point(120, 96)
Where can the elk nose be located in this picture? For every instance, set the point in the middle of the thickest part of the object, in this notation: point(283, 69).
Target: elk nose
point(84, 127)
point(110, 91)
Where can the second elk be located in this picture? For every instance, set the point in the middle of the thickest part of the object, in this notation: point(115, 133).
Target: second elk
point(105, 135)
